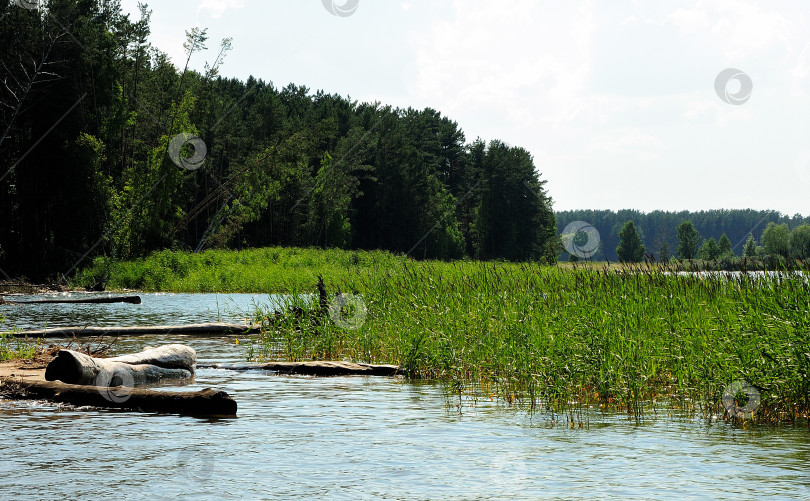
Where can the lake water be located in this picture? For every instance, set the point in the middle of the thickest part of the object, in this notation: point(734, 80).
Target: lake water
point(363, 438)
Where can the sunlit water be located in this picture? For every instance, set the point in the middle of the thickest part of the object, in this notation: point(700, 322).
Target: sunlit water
point(365, 438)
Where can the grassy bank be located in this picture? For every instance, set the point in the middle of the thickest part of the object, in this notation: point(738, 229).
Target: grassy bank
point(12, 348)
point(564, 338)
point(253, 270)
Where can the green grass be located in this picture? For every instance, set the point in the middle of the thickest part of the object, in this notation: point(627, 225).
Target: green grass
point(566, 339)
point(253, 270)
point(535, 335)
point(12, 348)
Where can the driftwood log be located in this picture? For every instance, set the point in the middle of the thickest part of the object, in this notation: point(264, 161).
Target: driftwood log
point(205, 402)
point(173, 361)
point(210, 329)
point(314, 368)
point(88, 300)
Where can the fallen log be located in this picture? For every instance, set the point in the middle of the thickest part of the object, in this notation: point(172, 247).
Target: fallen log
point(210, 329)
point(205, 402)
point(173, 361)
point(314, 368)
point(88, 300)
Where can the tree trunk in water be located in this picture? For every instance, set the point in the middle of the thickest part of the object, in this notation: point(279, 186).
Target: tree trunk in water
point(174, 361)
point(79, 300)
point(315, 368)
point(210, 329)
point(205, 402)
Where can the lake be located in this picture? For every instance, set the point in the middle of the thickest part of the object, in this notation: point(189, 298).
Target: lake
point(362, 438)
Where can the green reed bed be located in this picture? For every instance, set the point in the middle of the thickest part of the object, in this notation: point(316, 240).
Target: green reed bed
point(252, 270)
point(571, 338)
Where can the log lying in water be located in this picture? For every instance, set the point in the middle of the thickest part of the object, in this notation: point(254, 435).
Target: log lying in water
point(211, 329)
point(315, 368)
point(205, 402)
point(173, 361)
point(88, 300)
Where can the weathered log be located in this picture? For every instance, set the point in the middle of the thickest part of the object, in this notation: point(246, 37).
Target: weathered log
point(210, 329)
point(205, 402)
point(314, 368)
point(174, 361)
point(88, 300)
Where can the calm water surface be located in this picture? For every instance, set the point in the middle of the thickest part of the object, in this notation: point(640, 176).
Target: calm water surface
point(363, 438)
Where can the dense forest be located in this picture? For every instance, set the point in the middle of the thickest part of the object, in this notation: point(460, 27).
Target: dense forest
point(109, 148)
point(659, 227)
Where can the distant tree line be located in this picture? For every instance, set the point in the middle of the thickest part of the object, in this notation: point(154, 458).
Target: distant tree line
point(709, 235)
point(109, 148)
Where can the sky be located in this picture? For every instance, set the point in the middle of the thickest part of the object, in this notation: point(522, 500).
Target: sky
point(616, 100)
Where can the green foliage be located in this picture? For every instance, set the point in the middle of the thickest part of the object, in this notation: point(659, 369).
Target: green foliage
point(724, 246)
point(13, 348)
point(630, 249)
point(544, 335)
point(663, 252)
point(688, 240)
point(800, 242)
point(709, 251)
point(750, 248)
point(284, 167)
point(776, 240)
point(660, 226)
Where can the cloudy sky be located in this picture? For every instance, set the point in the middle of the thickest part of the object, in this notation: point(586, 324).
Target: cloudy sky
point(615, 99)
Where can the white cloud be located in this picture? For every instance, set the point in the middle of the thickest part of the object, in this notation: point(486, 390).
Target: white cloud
point(215, 8)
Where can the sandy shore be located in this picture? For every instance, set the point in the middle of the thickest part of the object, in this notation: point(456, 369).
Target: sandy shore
point(30, 370)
